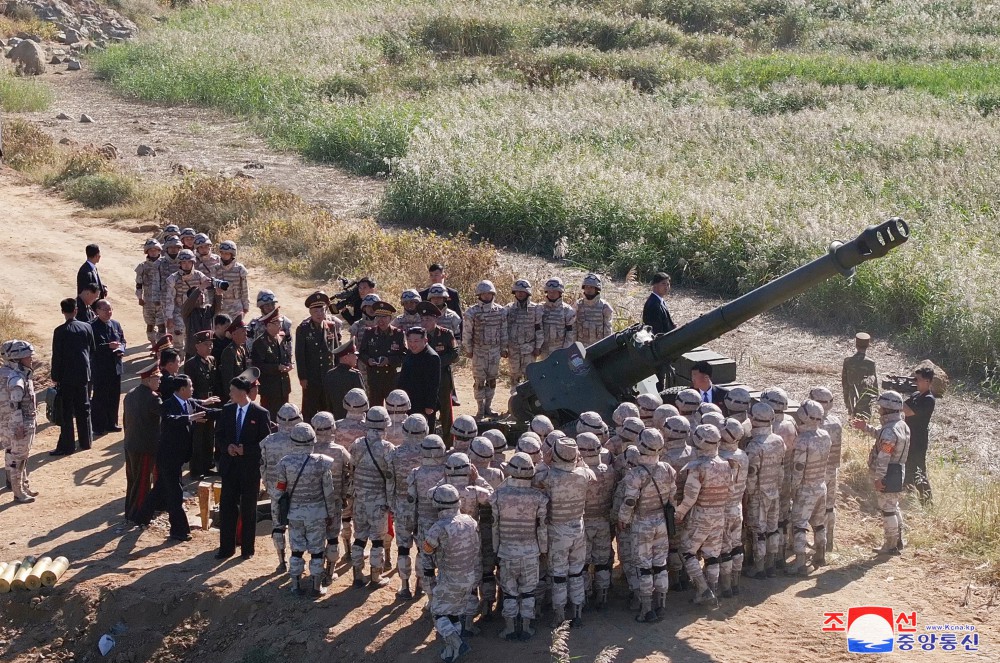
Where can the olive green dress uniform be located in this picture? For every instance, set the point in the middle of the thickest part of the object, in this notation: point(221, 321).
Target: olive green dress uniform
point(375, 344)
point(314, 356)
point(267, 355)
point(859, 379)
point(204, 378)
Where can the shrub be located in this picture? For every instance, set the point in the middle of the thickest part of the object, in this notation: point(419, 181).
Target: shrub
point(466, 35)
point(101, 189)
point(26, 147)
point(23, 95)
point(79, 163)
point(217, 203)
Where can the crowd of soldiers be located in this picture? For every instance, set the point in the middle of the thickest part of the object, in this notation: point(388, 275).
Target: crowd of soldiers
point(688, 490)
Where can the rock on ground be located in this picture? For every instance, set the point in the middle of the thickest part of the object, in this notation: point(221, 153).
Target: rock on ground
point(28, 58)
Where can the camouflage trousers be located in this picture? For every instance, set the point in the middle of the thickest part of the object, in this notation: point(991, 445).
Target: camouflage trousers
point(485, 371)
point(371, 521)
point(675, 562)
point(404, 523)
point(892, 517)
point(567, 553)
point(518, 579)
point(517, 361)
point(427, 575)
point(626, 554)
point(488, 585)
point(762, 518)
point(152, 315)
point(732, 540)
point(178, 332)
point(307, 533)
point(278, 531)
point(16, 460)
point(809, 508)
point(453, 595)
point(598, 535)
point(651, 548)
point(704, 533)
point(229, 306)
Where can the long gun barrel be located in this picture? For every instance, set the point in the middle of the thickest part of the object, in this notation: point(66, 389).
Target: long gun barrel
point(577, 379)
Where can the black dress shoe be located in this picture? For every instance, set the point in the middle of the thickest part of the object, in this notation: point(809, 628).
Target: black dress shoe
point(57, 452)
point(115, 429)
point(181, 537)
point(246, 556)
point(84, 448)
point(224, 555)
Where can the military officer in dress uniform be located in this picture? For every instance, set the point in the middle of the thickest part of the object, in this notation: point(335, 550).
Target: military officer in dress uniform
point(270, 355)
point(381, 349)
point(315, 340)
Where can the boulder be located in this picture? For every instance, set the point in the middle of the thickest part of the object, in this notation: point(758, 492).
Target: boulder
point(63, 116)
point(28, 58)
point(73, 65)
point(145, 151)
point(55, 60)
point(71, 36)
point(941, 380)
point(86, 119)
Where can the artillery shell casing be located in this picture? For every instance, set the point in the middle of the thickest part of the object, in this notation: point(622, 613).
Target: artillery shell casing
point(55, 570)
point(7, 576)
point(22, 574)
point(34, 579)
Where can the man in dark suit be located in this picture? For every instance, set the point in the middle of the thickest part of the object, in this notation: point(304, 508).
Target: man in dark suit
point(701, 379)
point(179, 415)
point(85, 302)
point(238, 433)
point(88, 274)
point(656, 315)
point(106, 369)
point(420, 376)
point(340, 379)
point(72, 345)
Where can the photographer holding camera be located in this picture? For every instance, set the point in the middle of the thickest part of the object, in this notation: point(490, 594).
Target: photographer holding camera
point(347, 303)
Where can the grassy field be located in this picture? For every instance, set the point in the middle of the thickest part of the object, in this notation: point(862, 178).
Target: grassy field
point(722, 140)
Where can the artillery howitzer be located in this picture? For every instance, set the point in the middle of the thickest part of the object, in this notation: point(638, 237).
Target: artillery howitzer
point(578, 379)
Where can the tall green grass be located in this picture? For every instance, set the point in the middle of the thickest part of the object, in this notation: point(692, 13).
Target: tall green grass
point(23, 95)
point(723, 141)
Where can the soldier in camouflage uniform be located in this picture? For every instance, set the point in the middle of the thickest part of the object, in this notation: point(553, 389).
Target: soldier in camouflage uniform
point(418, 486)
point(474, 497)
point(628, 433)
point(484, 340)
point(235, 300)
point(784, 426)
point(397, 404)
point(367, 319)
point(706, 491)
point(167, 264)
point(147, 291)
point(597, 519)
point(687, 404)
point(273, 448)
point(404, 459)
point(524, 332)
point(486, 453)
point(566, 487)
point(832, 425)
point(558, 319)
point(859, 379)
point(677, 453)
point(731, 560)
point(17, 416)
point(765, 472)
point(482, 452)
point(438, 295)
point(306, 476)
point(647, 404)
point(626, 542)
point(373, 490)
point(649, 487)
point(205, 259)
point(463, 431)
point(615, 444)
point(187, 236)
point(737, 402)
point(178, 285)
point(343, 485)
point(660, 416)
point(350, 428)
point(453, 540)
point(808, 486)
point(520, 537)
point(886, 463)
point(409, 317)
point(170, 230)
point(593, 315)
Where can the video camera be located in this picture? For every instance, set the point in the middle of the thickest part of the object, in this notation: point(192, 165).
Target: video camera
point(347, 297)
point(904, 384)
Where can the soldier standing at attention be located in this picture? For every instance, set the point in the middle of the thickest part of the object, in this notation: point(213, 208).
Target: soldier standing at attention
point(524, 331)
point(235, 355)
point(202, 371)
point(381, 349)
point(147, 290)
point(315, 340)
point(859, 379)
point(269, 355)
point(17, 418)
point(593, 315)
point(484, 340)
point(267, 301)
point(558, 319)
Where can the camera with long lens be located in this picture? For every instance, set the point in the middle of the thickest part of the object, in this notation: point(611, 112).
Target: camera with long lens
point(219, 284)
point(347, 297)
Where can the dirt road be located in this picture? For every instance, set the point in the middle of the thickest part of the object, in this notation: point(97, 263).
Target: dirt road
point(174, 602)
